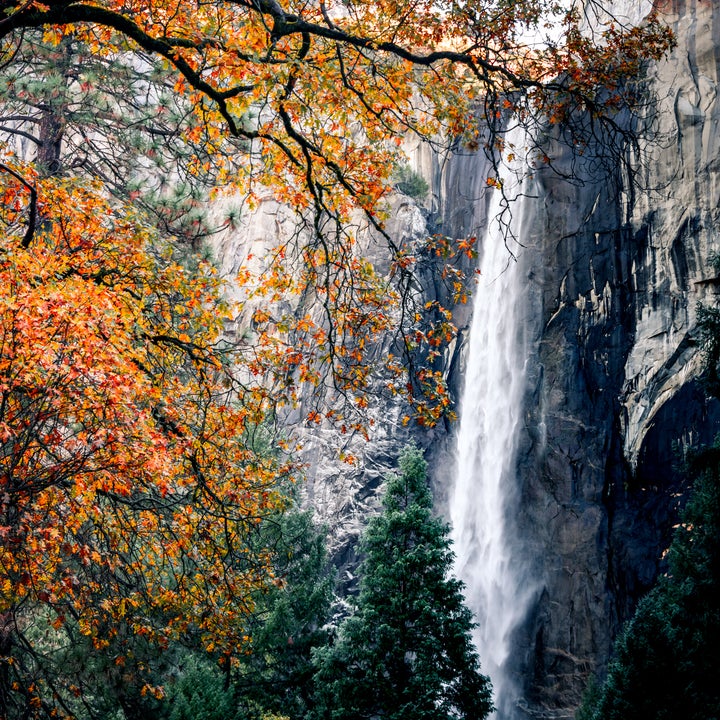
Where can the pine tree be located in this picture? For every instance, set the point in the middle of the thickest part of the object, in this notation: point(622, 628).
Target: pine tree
point(667, 660)
point(290, 620)
point(406, 653)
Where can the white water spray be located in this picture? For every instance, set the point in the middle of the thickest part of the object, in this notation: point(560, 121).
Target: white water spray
point(485, 492)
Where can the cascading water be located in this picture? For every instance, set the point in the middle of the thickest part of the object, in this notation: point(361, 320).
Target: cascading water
point(485, 492)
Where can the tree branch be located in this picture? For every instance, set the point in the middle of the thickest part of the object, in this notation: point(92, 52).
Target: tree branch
point(32, 216)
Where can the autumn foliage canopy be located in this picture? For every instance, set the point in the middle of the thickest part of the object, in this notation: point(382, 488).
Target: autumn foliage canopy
point(133, 475)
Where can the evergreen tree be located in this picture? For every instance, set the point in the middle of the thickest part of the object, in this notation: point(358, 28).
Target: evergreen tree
point(291, 620)
point(667, 660)
point(406, 653)
point(201, 691)
point(114, 119)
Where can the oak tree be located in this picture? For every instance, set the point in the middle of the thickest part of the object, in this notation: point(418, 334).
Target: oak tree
point(289, 621)
point(130, 494)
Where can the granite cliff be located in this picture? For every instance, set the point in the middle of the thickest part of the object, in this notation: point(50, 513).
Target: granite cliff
point(615, 267)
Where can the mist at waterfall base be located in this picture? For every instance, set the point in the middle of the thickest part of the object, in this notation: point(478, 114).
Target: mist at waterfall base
point(484, 499)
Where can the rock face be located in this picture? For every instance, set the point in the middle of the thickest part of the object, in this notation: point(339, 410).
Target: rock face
point(612, 383)
point(615, 276)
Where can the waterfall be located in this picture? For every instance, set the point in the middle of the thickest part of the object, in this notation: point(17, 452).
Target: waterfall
point(485, 492)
